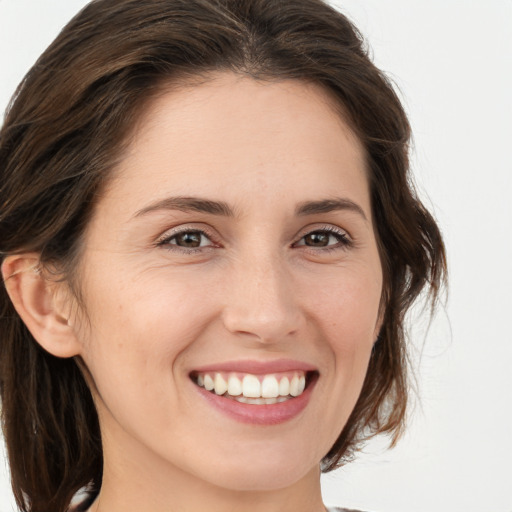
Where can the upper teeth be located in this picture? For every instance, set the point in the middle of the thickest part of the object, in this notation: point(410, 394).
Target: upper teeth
point(253, 386)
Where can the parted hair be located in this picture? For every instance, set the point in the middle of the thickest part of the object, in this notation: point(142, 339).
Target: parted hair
point(63, 133)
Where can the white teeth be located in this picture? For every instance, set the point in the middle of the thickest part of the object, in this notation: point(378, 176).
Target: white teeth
point(284, 387)
point(221, 385)
point(208, 383)
point(302, 384)
point(297, 385)
point(251, 386)
point(294, 386)
point(270, 387)
point(234, 386)
point(260, 401)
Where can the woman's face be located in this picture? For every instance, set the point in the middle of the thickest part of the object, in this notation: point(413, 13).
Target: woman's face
point(235, 244)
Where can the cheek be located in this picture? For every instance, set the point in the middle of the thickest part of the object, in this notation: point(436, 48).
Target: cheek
point(346, 311)
point(347, 305)
point(133, 342)
point(350, 324)
point(141, 325)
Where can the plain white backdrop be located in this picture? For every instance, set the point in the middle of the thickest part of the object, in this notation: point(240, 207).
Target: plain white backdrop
point(452, 63)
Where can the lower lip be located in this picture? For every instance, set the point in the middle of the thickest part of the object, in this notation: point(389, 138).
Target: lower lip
point(266, 414)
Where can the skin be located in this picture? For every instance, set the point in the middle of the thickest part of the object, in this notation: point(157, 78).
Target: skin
point(257, 288)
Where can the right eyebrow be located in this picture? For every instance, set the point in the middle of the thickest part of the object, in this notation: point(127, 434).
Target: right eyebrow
point(187, 204)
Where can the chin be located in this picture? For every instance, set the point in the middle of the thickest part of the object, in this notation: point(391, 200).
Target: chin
point(263, 471)
point(248, 479)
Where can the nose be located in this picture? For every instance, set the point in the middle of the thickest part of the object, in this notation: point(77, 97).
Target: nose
point(261, 303)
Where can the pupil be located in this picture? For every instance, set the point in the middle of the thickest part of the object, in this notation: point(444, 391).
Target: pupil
point(189, 239)
point(317, 239)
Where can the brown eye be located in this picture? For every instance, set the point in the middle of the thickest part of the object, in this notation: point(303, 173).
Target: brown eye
point(317, 239)
point(324, 239)
point(187, 240)
point(190, 239)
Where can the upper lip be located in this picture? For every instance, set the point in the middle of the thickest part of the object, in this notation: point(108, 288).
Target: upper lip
point(256, 367)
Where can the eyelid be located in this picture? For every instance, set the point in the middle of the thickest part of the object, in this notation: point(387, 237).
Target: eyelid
point(332, 228)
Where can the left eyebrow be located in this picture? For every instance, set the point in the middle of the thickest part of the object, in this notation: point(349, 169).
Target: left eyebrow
point(328, 205)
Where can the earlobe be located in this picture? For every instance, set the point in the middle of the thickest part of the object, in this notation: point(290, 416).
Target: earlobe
point(38, 301)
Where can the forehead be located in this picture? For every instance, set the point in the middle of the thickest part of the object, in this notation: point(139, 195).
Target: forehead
point(225, 98)
point(234, 133)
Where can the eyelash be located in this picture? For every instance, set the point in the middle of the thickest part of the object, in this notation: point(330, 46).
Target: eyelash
point(343, 240)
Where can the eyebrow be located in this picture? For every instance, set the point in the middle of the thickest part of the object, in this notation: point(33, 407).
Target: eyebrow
point(189, 204)
point(197, 204)
point(329, 205)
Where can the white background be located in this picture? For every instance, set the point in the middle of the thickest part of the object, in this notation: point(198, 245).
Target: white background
point(452, 61)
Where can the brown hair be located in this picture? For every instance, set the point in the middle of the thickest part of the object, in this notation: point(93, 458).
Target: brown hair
point(62, 135)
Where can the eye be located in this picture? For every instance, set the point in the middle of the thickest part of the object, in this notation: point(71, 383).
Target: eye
point(189, 239)
point(325, 238)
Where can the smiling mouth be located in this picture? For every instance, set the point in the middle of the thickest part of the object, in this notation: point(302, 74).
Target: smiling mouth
point(254, 389)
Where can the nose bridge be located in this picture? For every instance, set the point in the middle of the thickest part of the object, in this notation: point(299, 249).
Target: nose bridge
point(261, 301)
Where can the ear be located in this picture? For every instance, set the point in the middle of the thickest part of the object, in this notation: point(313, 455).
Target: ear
point(43, 304)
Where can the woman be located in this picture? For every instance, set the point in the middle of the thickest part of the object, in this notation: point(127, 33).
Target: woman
point(209, 242)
